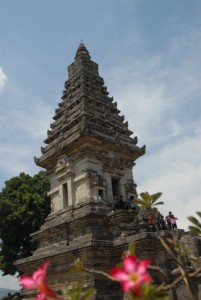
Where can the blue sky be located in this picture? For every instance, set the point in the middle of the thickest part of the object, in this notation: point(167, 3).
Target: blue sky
point(148, 53)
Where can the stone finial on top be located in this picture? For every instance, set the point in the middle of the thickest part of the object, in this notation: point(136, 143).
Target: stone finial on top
point(82, 50)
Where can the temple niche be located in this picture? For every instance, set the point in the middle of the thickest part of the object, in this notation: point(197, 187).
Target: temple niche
point(89, 155)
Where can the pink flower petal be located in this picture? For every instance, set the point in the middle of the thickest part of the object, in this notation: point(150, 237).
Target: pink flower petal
point(37, 281)
point(41, 296)
point(130, 264)
point(39, 275)
point(142, 267)
point(145, 278)
point(27, 282)
point(44, 288)
point(118, 274)
point(126, 285)
point(132, 275)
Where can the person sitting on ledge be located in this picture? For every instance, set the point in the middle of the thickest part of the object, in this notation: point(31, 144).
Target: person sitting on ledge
point(118, 203)
point(115, 202)
point(131, 204)
point(121, 203)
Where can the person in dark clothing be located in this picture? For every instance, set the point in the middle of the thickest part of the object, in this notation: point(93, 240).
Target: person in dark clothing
point(161, 222)
point(167, 219)
point(121, 203)
point(115, 202)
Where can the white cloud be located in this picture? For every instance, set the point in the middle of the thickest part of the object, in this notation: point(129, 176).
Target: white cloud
point(3, 79)
point(174, 170)
point(22, 133)
point(32, 120)
point(9, 282)
point(160, 97)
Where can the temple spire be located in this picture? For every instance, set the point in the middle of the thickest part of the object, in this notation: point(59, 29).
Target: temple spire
point(82, 51)
point(87, 112)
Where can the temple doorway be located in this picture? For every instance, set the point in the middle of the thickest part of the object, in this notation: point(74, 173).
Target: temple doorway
point(115, 186)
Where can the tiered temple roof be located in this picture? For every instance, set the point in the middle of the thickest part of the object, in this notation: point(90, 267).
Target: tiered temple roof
point(86, 111)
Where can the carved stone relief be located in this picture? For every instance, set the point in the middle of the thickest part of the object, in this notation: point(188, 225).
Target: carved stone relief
point(98, 180)
point(63, 163)
point(131, 187)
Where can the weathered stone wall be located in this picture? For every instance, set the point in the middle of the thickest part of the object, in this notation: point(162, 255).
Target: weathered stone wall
point(93, 231)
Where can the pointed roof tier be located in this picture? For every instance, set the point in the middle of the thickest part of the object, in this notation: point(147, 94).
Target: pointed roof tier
point(87, 118)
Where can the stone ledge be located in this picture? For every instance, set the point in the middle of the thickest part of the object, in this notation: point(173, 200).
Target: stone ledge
point(64, 250)
point(82, 239)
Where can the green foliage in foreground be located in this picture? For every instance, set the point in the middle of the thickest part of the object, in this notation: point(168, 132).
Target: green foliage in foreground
point(15, 296)
point(196, 227)
point(77, 293)
point(24, 206)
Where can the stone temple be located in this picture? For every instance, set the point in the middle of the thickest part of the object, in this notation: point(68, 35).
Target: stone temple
point(90, 152)
point(89, 155)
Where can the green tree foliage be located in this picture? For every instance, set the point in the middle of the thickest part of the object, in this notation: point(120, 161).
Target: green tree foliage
point(147, 200)
point(196, 227)
point(24, 205)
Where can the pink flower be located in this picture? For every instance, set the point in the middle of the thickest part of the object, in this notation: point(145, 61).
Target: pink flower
point(37, 281)
point(41, 296)
point(132, 275)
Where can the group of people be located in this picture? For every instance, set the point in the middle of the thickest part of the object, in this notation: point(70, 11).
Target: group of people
point(171, 221)
point(154, 218)
point(119, 203)
point(158, 221)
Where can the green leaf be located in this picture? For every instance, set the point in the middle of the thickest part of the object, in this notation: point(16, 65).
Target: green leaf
point(198, 213)
point(161, 296)
point(131, 248)
point(77, 293)
point(194, 221)
point(194, 230)
point(69, 294)
point(151, 292)
point(78, 265)
point(144, 196)
point(156, 196)
point(159, 203)
point(88, 294)
point(197, 228)
point(147, 200)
